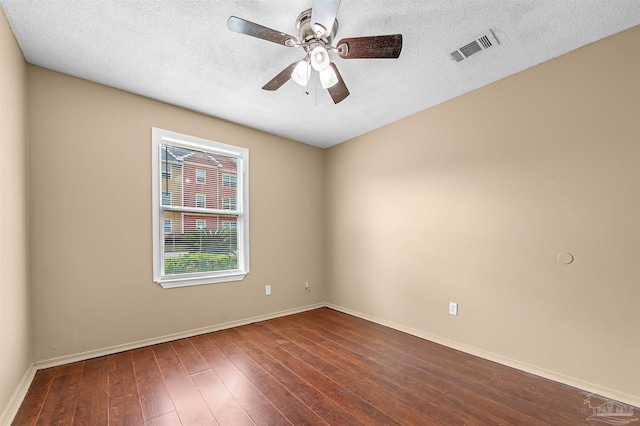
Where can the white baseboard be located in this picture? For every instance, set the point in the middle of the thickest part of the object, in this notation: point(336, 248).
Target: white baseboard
point(587, 387)
point(11, 409)
point(53, 362)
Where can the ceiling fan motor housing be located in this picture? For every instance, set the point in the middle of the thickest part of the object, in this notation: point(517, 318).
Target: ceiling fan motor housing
point(308, 37)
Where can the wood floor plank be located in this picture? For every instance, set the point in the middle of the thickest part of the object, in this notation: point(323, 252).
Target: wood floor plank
point(285, 401)
point(30, 409)
point(59, 404)
point(124, 400)
point(223, 406)
point(169, 419)
point(267, 415)
point(188, 402)
point(154, 396)
point(247, 395)
point(74, 367)
point(189, 356)
point(92, 405)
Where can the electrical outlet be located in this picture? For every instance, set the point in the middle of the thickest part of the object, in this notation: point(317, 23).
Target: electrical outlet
point(453, 308)
point(267, 290)
point(306, 286)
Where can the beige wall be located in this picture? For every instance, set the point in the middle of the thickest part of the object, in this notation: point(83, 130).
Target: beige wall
point(15, 334)
point(471, 201)
point(90, 189)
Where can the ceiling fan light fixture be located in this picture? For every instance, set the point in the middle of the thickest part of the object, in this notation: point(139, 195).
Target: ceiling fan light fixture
point(328, 77)
point(301, 73)
point(320, 58)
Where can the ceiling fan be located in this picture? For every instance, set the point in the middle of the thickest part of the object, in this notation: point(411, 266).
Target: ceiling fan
point(316, 29)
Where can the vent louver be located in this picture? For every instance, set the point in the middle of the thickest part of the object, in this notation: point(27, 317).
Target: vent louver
point(479, 44)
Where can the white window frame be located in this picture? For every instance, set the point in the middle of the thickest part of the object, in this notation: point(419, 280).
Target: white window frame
point(202, 222)
point(204, 176)
point(165, 137)
point(204, 201)
point(168, 197)
point(164, 224)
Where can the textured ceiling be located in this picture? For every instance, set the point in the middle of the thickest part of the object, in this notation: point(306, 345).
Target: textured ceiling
point(181, 52)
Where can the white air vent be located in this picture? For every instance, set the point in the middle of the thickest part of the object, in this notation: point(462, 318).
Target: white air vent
point(481, 43)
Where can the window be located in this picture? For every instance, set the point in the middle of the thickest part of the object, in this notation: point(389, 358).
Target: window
point(201, 176)
point(194, 254)
point(229, 181)
point(229, 204)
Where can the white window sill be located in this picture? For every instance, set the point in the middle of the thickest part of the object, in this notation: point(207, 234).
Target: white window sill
point(186, 282)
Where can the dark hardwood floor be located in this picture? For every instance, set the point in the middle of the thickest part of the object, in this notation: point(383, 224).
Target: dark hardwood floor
point(315, 368)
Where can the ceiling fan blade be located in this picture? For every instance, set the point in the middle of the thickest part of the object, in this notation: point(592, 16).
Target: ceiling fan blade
point(252, 29)
point(280, 79)
point(382, 46)
point(339, 90)
point(323, 15)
